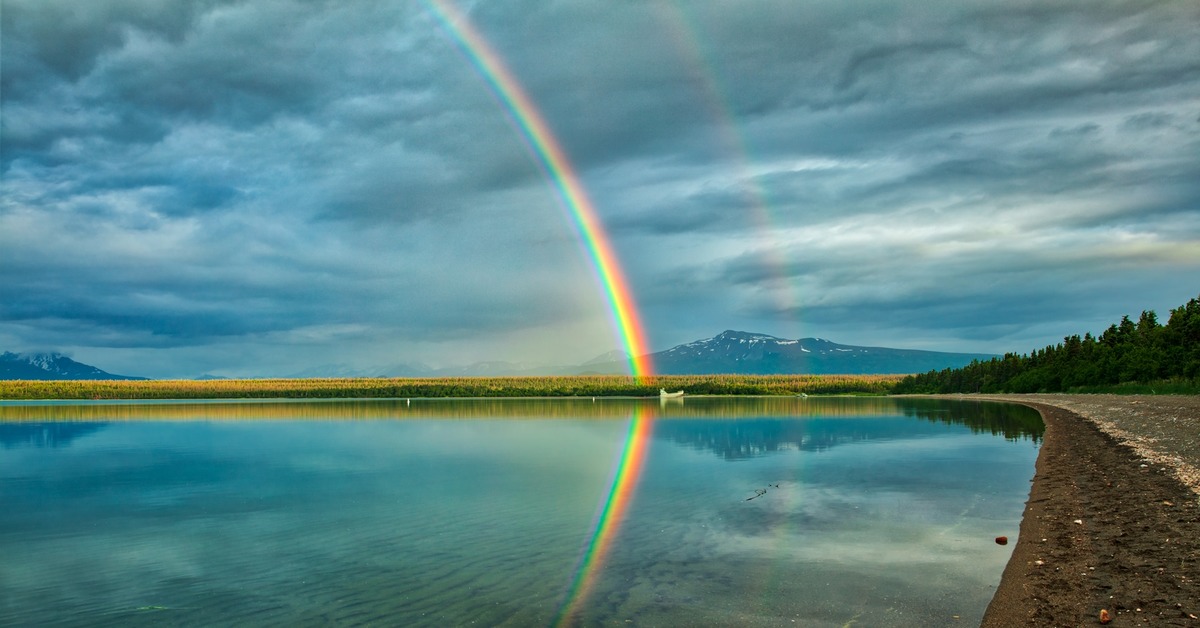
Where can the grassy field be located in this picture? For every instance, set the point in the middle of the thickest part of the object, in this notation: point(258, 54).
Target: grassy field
point(360, 388)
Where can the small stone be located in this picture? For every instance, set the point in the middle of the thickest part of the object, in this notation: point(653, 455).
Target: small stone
point(1002, 540)
point(1079, 521)
point(1104, 616)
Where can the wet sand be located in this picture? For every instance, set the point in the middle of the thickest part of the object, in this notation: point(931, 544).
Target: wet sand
point(1113, 518)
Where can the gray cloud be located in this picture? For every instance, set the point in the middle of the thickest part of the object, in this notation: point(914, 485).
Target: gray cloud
point(249, 185)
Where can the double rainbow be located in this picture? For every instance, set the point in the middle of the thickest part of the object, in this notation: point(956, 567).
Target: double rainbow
point(553, 160)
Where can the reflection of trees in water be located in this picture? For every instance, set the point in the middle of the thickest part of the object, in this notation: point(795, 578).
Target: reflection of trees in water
point(1012, 421)
point(483, 408)
point(44, 434)
point(736, 439)
point(733, 427)
point(508, 408)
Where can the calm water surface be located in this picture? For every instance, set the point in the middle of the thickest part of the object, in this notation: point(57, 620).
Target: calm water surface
point(439, 513)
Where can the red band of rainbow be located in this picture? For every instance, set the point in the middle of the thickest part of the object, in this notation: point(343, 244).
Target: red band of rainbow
point(553, 160)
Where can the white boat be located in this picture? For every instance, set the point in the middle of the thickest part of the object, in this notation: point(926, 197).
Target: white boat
point(663, 394)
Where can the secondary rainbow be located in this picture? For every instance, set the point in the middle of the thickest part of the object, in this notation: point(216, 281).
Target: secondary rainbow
point(610, 515)
point(685, 36)
point(553, 160)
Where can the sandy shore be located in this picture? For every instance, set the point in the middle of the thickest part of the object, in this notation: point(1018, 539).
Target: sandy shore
point(1113, 518)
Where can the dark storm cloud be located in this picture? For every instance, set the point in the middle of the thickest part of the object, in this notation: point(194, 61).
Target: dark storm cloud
point(66, 39)
point(287, 179)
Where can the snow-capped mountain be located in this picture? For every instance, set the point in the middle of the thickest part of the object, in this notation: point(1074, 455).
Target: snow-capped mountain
point(49, 366)
point(746, 353)
point(734, 352)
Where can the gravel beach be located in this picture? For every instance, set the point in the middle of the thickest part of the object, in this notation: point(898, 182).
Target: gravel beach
point(1113, 518)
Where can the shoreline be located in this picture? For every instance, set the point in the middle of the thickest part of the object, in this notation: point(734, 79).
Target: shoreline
point(1113, 516)
point(1111, 522)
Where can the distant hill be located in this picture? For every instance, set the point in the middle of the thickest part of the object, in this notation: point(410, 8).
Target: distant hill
point(744, 353)
point(732, 352)
point(49, 366)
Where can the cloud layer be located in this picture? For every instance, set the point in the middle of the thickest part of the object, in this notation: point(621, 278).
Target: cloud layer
point(252, 188)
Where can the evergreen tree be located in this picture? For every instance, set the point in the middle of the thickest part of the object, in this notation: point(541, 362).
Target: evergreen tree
point(1127, 352)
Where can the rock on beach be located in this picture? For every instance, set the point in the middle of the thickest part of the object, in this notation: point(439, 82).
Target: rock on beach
point(1113, 518)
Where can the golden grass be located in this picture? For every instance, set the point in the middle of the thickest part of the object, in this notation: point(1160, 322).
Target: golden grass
point(467, 387)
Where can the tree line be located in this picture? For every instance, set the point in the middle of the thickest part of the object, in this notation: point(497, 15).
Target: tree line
point(1127, 355)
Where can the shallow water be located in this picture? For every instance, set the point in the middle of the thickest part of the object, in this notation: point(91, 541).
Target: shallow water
point(438, 512)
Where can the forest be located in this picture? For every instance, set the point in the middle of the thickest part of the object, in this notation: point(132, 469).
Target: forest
point(1130, 356)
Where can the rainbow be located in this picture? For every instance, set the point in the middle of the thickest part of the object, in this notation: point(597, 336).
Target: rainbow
point(683, 33)
point(610, 514)
point(553, 160)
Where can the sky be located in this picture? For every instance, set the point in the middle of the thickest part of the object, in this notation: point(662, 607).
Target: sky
point(259, 187)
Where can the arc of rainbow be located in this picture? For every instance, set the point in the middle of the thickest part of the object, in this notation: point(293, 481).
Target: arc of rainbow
point(683, 34)
point(553, 161)
point(610, 514)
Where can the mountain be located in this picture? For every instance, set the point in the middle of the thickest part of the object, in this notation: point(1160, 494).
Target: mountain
point(739, 352)
point(733, 352)
point(49, 366)
point(612, 356)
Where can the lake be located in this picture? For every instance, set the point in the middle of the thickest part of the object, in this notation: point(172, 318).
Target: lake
point(706, 511)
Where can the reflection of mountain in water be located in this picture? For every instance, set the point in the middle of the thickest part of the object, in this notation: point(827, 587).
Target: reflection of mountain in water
point(44, 434)
point(736, 439)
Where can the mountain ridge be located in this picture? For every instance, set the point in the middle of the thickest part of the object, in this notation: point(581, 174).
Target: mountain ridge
point(730, 352)
point(50, 366)
point(747, 353)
